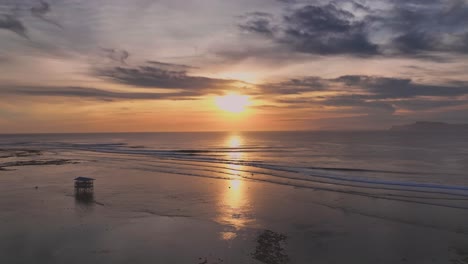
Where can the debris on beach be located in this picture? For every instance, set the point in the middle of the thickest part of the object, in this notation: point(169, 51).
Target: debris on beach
point(10, 153)
point(36, 163)
point(16, 158)
point(270, 249)
point(205, 260)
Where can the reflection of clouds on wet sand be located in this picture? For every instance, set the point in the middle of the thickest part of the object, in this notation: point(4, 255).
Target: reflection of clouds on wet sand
point(228, 235)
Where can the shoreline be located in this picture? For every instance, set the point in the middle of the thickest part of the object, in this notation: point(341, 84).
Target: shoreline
point(135, 213)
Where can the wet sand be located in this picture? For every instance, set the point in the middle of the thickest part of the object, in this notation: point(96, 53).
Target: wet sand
point(138, 216)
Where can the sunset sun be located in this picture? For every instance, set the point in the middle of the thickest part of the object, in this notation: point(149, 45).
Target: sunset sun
point(233, 103)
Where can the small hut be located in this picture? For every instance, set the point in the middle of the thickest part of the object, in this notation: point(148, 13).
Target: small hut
point(84, 183)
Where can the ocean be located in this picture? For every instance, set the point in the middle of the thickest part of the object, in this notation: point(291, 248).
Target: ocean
point(378, 157)
point(368, 196)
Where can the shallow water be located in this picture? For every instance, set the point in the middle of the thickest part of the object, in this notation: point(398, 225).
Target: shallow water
point(430, 162)
point(373, 197)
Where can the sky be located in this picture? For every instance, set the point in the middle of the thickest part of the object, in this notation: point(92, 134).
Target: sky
point(163, 65)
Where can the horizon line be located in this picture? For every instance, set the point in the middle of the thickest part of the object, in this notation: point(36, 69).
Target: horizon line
point(203, 131)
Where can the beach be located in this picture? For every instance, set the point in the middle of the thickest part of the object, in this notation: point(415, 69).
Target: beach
point(167, 209)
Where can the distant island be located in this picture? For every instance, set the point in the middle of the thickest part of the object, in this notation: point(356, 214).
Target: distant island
point(430, 127)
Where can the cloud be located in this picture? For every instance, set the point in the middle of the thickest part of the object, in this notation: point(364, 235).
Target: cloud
point(370, 95)
point(327, 30)
point(316, 29)
point(11, 23)
point(170, 66)
point(427, 27)
point(259, 23)
point(162, 77)
point(356, 101)
point(116, 55)
point(422, 105)
point(40, 12)
point(92, 93)
point(396, 28)
point(390, 88)
point(170, 85)
point(295, 86)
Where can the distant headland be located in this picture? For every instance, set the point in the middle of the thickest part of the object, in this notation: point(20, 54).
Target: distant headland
point(430, 127)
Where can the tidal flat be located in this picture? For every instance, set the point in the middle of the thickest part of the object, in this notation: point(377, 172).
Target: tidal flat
point(138, 215)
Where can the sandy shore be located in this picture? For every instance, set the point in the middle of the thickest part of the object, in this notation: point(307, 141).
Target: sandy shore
point(141, 216)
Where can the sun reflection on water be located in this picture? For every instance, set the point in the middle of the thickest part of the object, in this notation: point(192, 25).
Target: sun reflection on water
point(234, 208)
point(234, 141)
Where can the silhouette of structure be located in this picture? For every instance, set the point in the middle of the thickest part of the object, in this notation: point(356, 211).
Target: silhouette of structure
point(84, 196)
point(84, 190)
point(84, 183)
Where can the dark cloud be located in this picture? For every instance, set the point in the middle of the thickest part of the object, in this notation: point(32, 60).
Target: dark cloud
point(371, 95)
point(160, 77)
point(93, 93)
point(170, 66)
point(356, 101)
point(259, 23)
point(40, 11)
point(360, 7)
point(358, 104)
point(410, 28)
point(374, 87)
point(317, 29)
point(171, 85)
point(428, 27)
point(320, 19)
point(116, 55)
point(389, 88)
point(421, 105)
point(295, 86)
point(411, 42)
point(11, 23)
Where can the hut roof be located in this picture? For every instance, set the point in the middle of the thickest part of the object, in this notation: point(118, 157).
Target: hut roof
point(84, 179)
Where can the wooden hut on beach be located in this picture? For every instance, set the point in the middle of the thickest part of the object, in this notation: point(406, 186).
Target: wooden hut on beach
point(84, 183)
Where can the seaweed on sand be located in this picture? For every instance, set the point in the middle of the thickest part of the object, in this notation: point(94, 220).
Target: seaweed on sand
point(36, 163)
point(270, 249)
point(19, 153)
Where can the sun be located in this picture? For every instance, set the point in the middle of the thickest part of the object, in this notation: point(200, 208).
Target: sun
point(232, 102)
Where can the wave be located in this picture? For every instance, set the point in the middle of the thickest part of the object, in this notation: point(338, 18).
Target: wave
point(361, 170)
point(396, 183)
point(398, 198)
point(253, 175)
point(209, 157)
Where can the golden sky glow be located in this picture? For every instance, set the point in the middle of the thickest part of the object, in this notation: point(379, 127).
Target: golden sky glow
point(230, 66)
point(232, 102)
